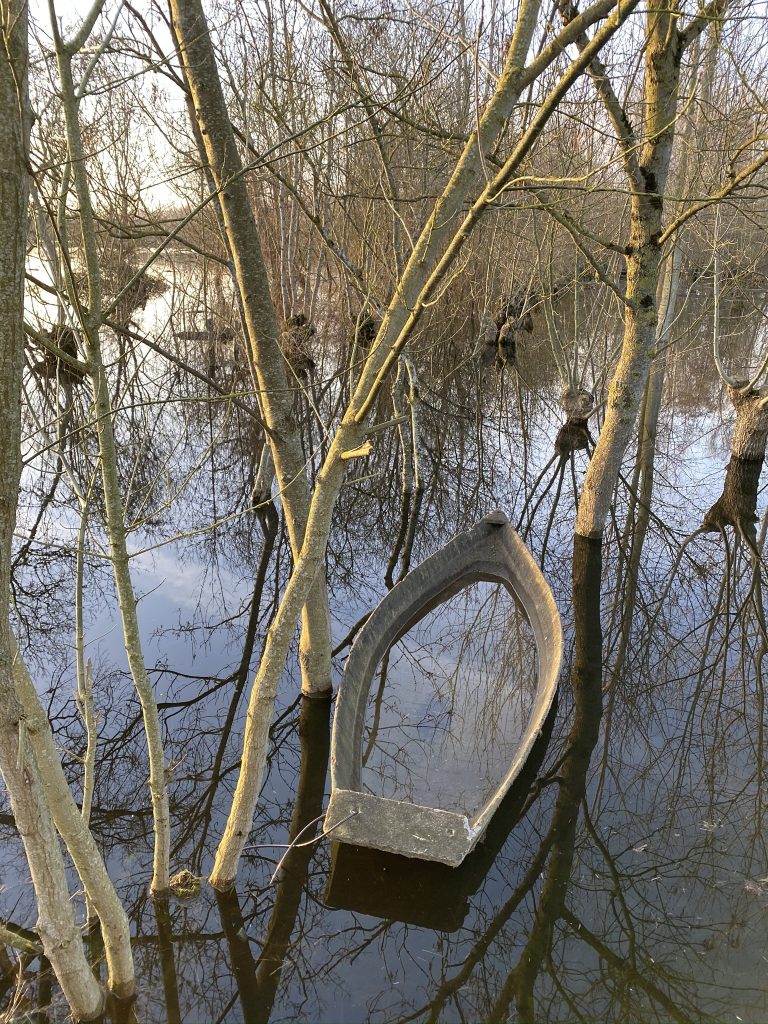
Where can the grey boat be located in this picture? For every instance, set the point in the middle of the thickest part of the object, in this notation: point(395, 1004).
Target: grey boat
point(490, 551)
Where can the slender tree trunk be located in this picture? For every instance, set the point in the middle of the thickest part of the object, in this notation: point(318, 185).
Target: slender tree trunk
point(639, 510)
point(73, 829)
point(116, 532)
point(314, 732)
point(275, 388)
point(647, 170)
point(56, 925)
point(167, 956)
point(115, 512)
point(629, 381)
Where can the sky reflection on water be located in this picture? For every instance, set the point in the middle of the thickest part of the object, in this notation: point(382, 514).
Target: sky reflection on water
point(627, 881)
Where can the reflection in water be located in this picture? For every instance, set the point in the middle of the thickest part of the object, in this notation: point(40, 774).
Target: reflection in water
point(625, 881)
point(167, 959)
point(426, 893)
point(452, 701)
point(586, 683)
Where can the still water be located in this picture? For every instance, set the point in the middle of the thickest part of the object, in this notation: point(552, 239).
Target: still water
point(451, 702)
point(625, 877)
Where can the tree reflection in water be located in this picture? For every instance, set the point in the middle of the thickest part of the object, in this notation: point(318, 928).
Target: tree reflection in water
point(451, 704)
point(623, 880)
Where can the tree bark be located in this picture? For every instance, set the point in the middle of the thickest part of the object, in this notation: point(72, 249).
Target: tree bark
point(73, 829)
point(737, 505)
point(647, 157)
point(751, 430)
point(115, 513)
point(56, 923)
point(275, 388)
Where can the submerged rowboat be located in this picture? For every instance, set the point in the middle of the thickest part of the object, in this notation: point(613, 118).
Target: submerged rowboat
point(490, 551)
point(420, 892)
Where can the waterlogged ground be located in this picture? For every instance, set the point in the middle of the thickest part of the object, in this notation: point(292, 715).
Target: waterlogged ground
point(624, 879)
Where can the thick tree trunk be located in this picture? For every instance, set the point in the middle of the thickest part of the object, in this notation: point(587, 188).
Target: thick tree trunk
point(737, 505)
point(751, 430)
point(56, 924)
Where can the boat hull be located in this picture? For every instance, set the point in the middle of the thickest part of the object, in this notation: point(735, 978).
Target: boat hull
point(490, 551)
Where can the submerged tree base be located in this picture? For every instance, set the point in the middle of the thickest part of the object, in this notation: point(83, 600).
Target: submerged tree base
point(737, 505)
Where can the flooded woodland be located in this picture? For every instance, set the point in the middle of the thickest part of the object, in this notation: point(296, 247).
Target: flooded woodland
point(293, 296)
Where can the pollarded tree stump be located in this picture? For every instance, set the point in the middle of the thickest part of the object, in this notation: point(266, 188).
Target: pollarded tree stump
point(577, 403)
point(573, 436)
point(751, 431)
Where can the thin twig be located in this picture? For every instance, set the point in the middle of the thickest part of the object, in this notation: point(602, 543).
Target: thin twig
point(295, 844)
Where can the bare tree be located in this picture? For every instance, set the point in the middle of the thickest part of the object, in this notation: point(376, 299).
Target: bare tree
point(89, 318)
point(23, 776)
point(433, 253)
point(646, 151)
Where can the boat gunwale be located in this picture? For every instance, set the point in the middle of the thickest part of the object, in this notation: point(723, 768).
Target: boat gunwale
point(490, 551)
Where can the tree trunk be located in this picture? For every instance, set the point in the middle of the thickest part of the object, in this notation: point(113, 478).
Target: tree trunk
point(275, 388)
point(751, 430)
point(73, 829)
point(586, 680)
point(737, 505)
point(56, 923)
point(115, 512)
point(647, 170)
